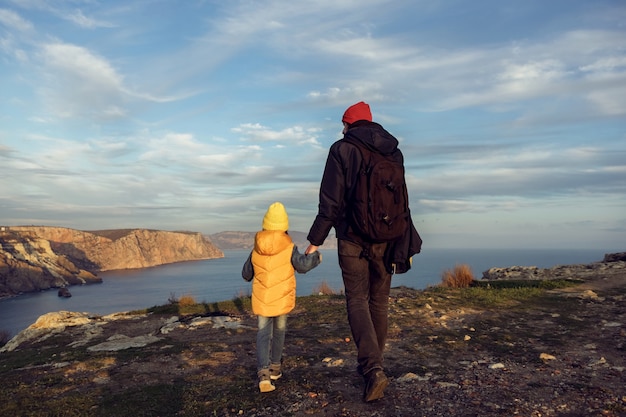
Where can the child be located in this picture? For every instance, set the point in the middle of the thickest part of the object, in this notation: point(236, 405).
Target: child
point(272, 264)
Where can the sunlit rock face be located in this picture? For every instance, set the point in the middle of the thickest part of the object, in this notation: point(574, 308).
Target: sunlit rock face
point(28, 263)
point(34, 258)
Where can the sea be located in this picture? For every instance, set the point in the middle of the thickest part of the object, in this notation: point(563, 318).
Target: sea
point(220, 279)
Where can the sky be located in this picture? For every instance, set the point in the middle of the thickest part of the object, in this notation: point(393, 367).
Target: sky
point(197, 115)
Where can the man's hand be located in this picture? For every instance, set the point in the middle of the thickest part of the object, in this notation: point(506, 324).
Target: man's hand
point(311, 249)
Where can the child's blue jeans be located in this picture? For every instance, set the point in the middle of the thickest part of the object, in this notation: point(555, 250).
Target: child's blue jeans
point(270, 340)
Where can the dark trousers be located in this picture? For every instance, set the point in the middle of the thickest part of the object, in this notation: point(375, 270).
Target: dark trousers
point(367, 285)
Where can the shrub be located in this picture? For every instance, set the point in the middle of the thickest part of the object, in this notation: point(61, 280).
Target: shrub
point(172, 298)
point(459, 277)
point(186, 300)
point(4, 337)
point(242, 295)
point(324, 289)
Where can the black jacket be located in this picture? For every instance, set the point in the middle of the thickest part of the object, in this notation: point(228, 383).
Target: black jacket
point(342, 167)
point(399, 253)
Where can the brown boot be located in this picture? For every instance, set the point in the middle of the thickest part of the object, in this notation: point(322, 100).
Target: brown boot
point(375, 383)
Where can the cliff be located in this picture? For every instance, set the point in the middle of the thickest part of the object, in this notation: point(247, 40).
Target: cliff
point(40, 257)
point(28, 263)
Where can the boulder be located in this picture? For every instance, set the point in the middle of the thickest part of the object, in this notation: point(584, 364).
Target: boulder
point(64, 292)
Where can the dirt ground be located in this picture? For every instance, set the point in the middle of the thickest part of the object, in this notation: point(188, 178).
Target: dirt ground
point(561, 353)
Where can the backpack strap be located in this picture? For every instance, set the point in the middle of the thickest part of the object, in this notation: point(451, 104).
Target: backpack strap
point(366, 154)
point(365, 164)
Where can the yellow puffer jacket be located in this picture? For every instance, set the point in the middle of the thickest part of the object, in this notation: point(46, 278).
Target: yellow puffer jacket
point(274, 285)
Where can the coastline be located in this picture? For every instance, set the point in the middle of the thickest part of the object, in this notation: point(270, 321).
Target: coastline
point(494, 351)
point(218, 279)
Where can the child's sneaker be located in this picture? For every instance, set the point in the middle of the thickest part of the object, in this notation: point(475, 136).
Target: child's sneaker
point(265, 383)
point(275, 371)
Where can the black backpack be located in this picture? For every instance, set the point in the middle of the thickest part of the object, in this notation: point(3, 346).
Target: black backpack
point(379, 207)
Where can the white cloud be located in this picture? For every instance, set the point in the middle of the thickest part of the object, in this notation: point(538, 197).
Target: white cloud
point(605, 65)
point(14, 21)
point(256, 132)
point(499, 77)
point(84, 85)
point(80, 83)
point(80, 64)
point(83, 21)
point(609, 95)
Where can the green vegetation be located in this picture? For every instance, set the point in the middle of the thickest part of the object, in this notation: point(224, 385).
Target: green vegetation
point(186, 306)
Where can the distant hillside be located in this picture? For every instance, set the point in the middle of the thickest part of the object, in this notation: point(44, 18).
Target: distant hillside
point(245, 240)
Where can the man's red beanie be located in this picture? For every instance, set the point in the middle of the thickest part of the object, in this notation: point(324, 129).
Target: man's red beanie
point(358, 111)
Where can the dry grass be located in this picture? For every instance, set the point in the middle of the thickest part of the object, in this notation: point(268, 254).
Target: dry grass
point(186, 300)
point(459, 277)
point(185, 305)
point(244, 293)
point(325, 289)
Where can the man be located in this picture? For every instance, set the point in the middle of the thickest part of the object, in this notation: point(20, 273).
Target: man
point(364, 264)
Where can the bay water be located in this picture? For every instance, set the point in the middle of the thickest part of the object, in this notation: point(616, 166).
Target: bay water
point(220, 279)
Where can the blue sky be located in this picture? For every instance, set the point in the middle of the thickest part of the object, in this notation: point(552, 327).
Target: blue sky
point(196, 115)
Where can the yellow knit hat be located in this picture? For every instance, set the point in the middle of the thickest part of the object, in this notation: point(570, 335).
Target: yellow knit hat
point(276, 218)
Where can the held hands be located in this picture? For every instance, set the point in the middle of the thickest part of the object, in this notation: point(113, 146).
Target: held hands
point(311, 249)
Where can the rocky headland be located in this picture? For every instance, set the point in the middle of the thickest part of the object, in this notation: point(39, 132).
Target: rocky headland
point(612, 263)
point(34, 258)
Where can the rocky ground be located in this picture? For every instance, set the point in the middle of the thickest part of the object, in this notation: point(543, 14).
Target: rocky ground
point(451, 352)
